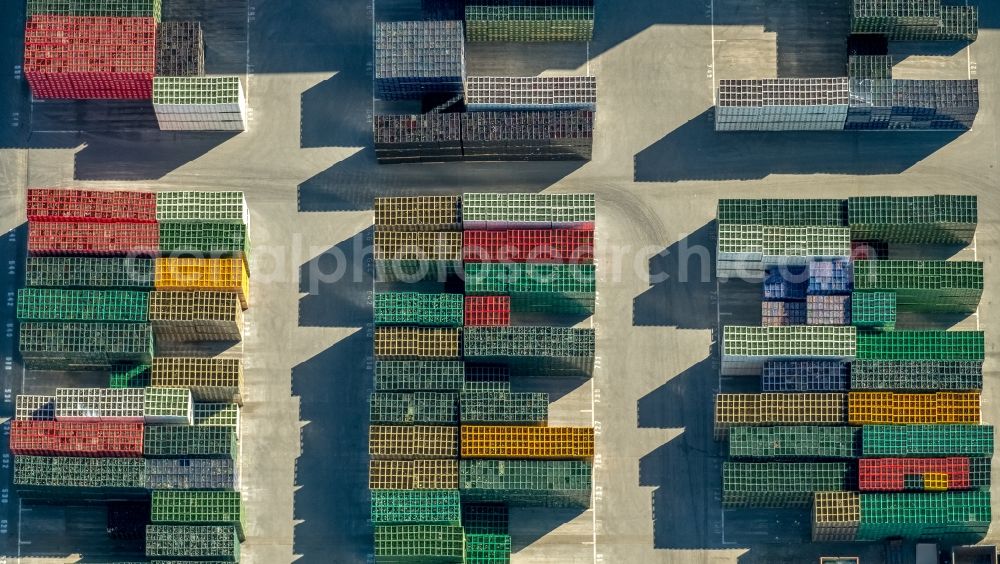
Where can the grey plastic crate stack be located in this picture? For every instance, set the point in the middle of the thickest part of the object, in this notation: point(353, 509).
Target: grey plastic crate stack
point(180, 49)
point(493, 93)
point(869, 66)
point(416, 58)
point(782, 104)
point(912, 104)
point(915, 20)
point(531, 20)
point(528, 135)
point(418, 138)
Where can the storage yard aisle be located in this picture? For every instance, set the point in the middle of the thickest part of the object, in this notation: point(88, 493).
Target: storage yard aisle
point(310, 177)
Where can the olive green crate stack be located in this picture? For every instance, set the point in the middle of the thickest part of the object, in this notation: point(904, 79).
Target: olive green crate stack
point(200, 542)
point(218, 414)
point(90, 272)
point(422, 408)
point(487, 20)
point(434, 474)
point(57, 477)
point(196, 316)
point(924, 285)
point(205, 239)
point(178, 507)
point(413, 375)
point(419, 213)
point(417, 343)
point(504, 407)
point(97, 345)
point(188, 441)
point(937, 219)
point(873, 310)
point(413, 308)
point(416, 255)
point(836, 516)
point(209, 379)
point(800, 441)
point(782, 484)
point(773, 409)
point(535, 483)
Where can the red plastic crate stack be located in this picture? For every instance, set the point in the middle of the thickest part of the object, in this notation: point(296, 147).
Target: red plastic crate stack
point(889, 474)
point(61, 438)
point(485, 311)
point(79, 58)
point(571, 246)
point(92, 223)
point(58, 204)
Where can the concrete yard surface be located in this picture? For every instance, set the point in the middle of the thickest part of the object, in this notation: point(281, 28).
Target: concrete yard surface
point(309, 173)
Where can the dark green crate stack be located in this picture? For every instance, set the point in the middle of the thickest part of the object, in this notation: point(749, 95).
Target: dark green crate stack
point(547, 20)
point(873, 310)
point(179, 507)
point(924, 286)
point(64, 477)
point(936, 516)
point(540, 288)
point(193, 542)
point(794, 442)
point(941, 219)
point(203, 224)
point(416, 525)
point(782, 484)
point(528, 350)
point(412, 308)
point(533, 483)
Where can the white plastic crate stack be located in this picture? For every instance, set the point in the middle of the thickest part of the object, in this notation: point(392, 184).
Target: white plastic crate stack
point(483, 93)
point(153, 406)
point(745, 349)
point(745, 251)
point(782, 104)
point(200, 103)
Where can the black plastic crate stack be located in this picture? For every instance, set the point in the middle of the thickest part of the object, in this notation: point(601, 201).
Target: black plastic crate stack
point(913, 104)
point(417, 58)
point(180, 49)
point(418, 138)
point(532, 135)
point(782, 104)
point(915, 20)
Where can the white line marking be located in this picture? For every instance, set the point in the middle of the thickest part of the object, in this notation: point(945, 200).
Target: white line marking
point(712, 27)
point(593, 482)
point(20, 508)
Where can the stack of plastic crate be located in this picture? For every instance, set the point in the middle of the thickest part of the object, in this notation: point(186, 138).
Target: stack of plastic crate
point(828, 300)
point(91, 49)
point(163, 424)
point(200, 103)
point(546, 20)
point(416, 58)
point(915, 20)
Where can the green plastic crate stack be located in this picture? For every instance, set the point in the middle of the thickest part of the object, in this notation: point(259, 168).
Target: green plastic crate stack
point(957, 23)
point(183, 441)
point(421, 408)
point(805, 441)
point(487, 549)
point(76, 477)
point(922, 345)
point(745, 349)
point(419, 544)
point(869, 66)
point(882, 16)
point(545, 288)
point(913, 219)
point(413, 308)
point(529, 483)
point(218, 414)
point(497, 20)
point(782, 484)
point(429, 507)
point(168, 406)
point(193, 542)
point(101, 8)
point(527, 211)
point(739, 251)
point(213, 239)
point(873, 310)
point(422, 375)
point(44, 304)
point(485, 518)
point(195, 207)
point(926, 440)
point(916, 375)
point(84, 345)
point(170, 507)
point(494, 379)
point(919, 516)
point(129, 376)
point(90, 272)
point(548, 351)
point(924, 285)
point(491, 407)
point(801, 212)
